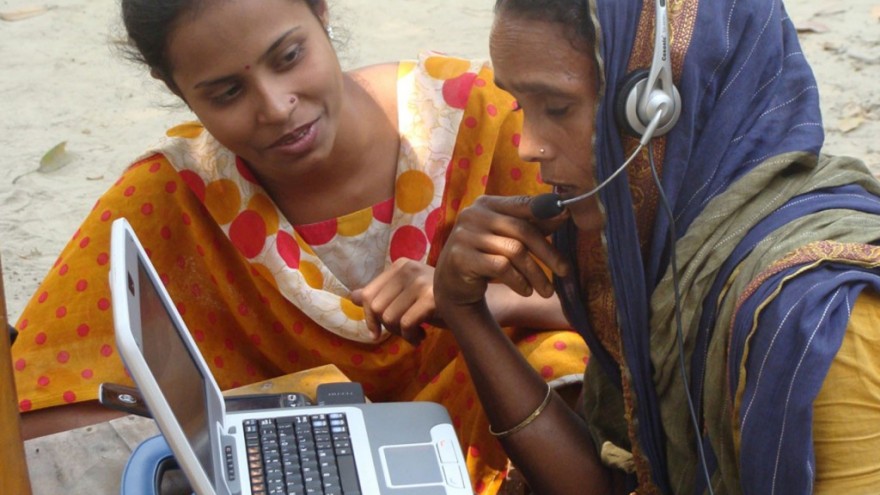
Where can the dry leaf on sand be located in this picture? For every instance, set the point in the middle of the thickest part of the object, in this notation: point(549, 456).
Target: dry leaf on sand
point(22, 14)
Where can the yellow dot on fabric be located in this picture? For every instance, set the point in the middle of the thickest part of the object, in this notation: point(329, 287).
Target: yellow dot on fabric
point(223, 200)
point(351, 310)
point(186, 130)
point(415, 190)
point(405, 68)
point(311, 274)
point(443, 68)
point(261, 204)
point(265, 273)
point(355, 223)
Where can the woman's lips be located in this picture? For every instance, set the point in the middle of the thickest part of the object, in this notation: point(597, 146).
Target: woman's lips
point(298, 142)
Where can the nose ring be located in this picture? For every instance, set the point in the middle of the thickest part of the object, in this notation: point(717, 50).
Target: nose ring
point(292, 100)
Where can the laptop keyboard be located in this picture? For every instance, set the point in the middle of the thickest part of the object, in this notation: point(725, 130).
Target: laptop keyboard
point(302, 454)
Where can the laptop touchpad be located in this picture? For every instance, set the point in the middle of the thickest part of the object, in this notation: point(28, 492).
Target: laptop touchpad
point(412, 465)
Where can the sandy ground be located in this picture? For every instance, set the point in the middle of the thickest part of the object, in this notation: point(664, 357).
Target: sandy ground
point(60, 82)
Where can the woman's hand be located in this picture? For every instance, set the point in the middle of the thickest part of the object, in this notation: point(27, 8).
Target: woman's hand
point(496, 239)
point(400, 299)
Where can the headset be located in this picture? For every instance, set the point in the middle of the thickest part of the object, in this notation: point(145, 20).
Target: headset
point(648, 105)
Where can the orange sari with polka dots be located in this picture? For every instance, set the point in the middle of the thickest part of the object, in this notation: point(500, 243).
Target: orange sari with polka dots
point(263, 298)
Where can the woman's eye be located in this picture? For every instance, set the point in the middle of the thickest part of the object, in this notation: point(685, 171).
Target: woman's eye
point(557, 111)
point(291, 56)
point(227, 95)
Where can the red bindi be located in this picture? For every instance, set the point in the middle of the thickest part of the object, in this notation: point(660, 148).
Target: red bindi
point(247, 67)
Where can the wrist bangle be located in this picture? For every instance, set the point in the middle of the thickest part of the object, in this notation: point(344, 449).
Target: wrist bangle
point(526, 422)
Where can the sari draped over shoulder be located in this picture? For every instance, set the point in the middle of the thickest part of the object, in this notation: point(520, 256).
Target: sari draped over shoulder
point(773, 244)
point(264, 298)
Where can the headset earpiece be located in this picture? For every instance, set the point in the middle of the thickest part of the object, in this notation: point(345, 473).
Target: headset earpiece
point(634, 120)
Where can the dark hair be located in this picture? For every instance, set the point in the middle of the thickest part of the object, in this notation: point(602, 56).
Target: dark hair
point(573, 14)
point(148, 23)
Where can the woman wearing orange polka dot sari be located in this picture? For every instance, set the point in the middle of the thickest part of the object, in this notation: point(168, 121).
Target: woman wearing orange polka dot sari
point(265, 298)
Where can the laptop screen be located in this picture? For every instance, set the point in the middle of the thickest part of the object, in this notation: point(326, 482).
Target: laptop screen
point(175, 371)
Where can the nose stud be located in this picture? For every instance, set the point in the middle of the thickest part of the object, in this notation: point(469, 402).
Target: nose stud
point(542, 151)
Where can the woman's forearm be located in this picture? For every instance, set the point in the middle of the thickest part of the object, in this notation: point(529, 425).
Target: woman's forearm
point(535, 311)
point(511, 391)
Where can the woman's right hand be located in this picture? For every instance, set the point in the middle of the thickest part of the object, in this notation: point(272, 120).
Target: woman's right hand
point(496, 239)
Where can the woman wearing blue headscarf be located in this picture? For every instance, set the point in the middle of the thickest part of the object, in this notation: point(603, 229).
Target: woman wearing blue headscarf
point(727, 284)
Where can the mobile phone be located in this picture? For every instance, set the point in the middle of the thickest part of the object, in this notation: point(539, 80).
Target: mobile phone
point(123, 398)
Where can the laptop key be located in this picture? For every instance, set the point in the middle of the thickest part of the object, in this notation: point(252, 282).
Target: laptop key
point(348, 474)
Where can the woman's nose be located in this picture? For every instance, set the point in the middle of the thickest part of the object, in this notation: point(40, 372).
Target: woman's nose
point(531, 147)
point(275, 106)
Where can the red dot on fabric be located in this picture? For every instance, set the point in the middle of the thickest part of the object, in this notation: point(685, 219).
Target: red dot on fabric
point(212, 318)
point(245, 171)
point(103, 259)
point(456, 91)
point(432, 221)
point(63, 270)
point(83, 330)
point(164, 278)
point(23, 325)
point(129, 191)
point(25, 405)
point(478, 150)
point(243, 309)
point(336, 341)
point(474, 451)
point(199, 335)
point(547, 372)
point(298, 328)
point(147, 208)
point(293, 357)
point(40, 338)
point(43, 381)
point(195, 183)
point(106, 350)
point(155, 166)
point(408, 242)
point(256, 340)
point(318, 234)
point(248, 233)
point(394, 349)
point(480, 83)
point(460, 377)
point(85, 242)
point(251, 370)
point(229, 344)
point(277, 327)
point(469, 403)
point(218, 362)
point(103, 304)
point(196, 290)
point(384, 211)
point(165, 233)
point(170, 186)
point(181, 308)
point(516, 173)
point(480, 487)
point(484, 180)
point(20, 365)
point(200, 250)
point(470, 122)
point(87, 374)
point(288, 249)
point(357, 359)
point(106, 216)
point(560, 345)
point(69, 397)
point(492, 110)
point(63, 357)
point(186, 219)
point(42, 297)
point(75, 236)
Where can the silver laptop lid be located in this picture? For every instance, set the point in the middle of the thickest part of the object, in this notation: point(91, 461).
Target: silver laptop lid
point(167, 365)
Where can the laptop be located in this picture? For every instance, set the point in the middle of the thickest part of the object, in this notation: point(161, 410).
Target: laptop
point(397, 448)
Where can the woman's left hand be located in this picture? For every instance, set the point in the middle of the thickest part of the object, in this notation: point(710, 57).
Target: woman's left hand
point(400, 299)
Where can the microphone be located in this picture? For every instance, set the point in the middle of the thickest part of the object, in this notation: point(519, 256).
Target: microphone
point(549, 205)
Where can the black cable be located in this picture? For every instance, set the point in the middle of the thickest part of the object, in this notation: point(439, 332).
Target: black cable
point(678, 326)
